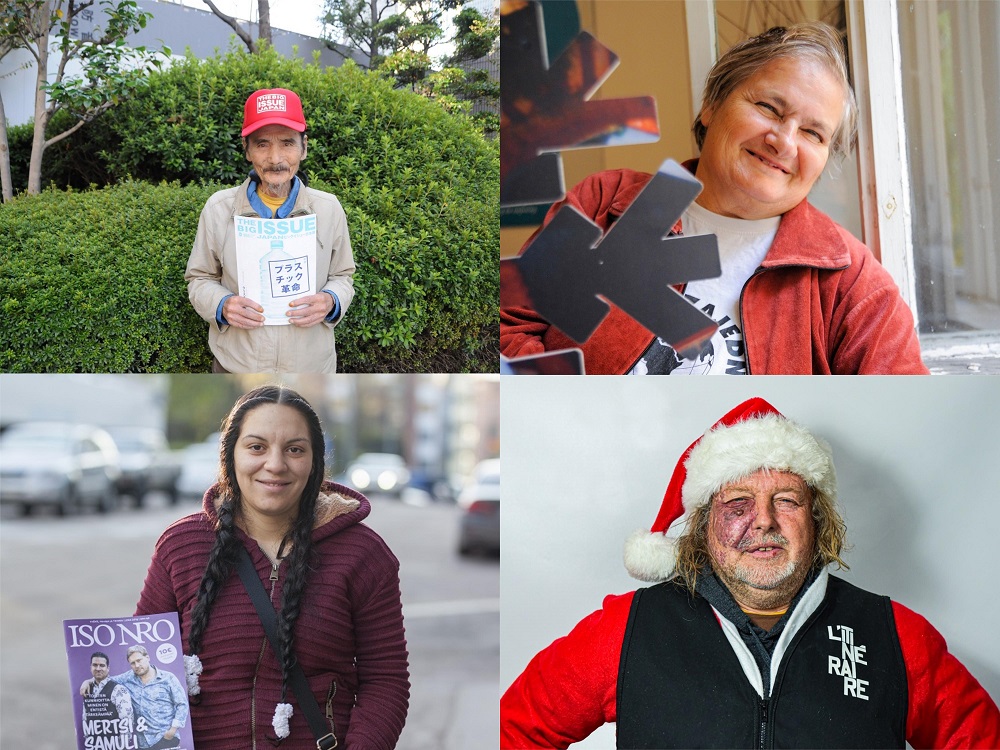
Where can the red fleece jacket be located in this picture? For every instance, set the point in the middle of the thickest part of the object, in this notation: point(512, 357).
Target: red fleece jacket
point(569, 689)
point(819, 304)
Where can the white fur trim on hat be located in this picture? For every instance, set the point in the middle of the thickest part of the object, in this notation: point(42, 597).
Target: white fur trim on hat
point(727, 454)
point(650, 555)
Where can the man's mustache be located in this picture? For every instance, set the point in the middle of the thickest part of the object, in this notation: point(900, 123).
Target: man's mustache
point(764, 541)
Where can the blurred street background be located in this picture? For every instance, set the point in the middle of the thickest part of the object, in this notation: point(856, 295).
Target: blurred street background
point(93, 468)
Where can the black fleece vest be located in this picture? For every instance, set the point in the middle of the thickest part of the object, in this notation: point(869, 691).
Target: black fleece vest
point(840, 684)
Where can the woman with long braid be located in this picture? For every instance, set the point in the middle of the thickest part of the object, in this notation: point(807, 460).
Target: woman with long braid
point(333, 582)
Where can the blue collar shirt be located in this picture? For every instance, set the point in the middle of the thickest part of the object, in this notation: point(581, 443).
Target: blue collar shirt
point(162, 702)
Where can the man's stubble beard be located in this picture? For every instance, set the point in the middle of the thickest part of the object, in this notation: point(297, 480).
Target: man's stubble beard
point(768, 580)
point(278, 188)
point(769, 587)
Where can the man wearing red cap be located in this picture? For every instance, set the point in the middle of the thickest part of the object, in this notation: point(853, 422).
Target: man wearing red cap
point(274, 142)
point(747, 640)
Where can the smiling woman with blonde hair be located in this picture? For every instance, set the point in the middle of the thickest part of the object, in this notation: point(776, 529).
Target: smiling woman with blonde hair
point(798, 293)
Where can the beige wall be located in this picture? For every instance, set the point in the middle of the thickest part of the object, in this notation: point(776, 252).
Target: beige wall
point(650, 38)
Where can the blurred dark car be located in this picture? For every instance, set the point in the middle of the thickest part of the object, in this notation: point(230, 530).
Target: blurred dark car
point(378, 474)
point(147, 463)
point(479, 528)
point(67, 466)
point(436, 487)
point(199, 468)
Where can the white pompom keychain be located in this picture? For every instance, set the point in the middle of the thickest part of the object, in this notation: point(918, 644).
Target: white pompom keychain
point(282, 713)
point(192, 668)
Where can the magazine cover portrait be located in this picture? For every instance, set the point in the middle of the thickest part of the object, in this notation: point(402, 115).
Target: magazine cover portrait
point(127, 682)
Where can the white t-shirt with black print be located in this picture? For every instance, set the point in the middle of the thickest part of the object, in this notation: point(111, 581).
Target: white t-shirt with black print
point(742, 247)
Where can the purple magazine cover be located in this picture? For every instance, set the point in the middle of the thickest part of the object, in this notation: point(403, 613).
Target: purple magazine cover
point(137, 690)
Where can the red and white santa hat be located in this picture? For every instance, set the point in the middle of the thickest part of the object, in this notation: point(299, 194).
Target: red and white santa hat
point(751, 437)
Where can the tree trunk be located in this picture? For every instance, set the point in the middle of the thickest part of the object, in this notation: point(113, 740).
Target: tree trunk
point(243, 34)
point(41, 111)
point(373, 53)
point(264, 21)
point(5, 184)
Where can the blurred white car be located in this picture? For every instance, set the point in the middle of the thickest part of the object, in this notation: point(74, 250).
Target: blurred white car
point(378, 473)
point(68, 466)
point(479, 500)
point(199, 468)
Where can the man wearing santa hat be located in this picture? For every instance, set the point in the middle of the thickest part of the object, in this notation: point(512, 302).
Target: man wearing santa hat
point(746, 640)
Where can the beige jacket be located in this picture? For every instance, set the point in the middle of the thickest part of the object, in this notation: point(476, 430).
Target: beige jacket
point(211, 276)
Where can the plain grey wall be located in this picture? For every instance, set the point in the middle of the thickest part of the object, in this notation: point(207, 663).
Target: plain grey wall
point(587, 459)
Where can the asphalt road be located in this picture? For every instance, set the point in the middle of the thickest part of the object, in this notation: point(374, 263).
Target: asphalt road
point(53, 569)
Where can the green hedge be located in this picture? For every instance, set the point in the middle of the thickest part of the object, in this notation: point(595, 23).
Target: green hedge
point(93, 282)
point(420, 188)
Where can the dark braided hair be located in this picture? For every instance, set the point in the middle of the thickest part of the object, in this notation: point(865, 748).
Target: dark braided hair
point(223, 557)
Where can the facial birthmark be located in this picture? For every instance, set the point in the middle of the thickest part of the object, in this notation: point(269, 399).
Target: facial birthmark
point(733, 523)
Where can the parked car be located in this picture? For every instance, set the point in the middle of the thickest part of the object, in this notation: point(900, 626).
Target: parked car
point(146, 461)
point(199, 468)
point(68, 466)
point(479, 528)
point(378, 473)
point(436, 487)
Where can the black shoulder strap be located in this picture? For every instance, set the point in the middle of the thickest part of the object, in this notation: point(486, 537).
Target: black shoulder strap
point(325, 738)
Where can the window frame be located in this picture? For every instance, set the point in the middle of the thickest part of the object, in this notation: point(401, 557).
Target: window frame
point(883, 156)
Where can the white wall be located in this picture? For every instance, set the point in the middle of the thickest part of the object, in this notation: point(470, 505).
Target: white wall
point(586, 462)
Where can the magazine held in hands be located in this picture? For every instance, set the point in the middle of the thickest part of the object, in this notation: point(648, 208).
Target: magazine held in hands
point(132, 671)
point(276, 262)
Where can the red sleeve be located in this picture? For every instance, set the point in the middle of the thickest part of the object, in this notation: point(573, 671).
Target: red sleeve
point(948, 708)
point(383, 695)
point(521, 328)
point(568, 689)
point(157, 590)
point(602, 198)
point(874, 329)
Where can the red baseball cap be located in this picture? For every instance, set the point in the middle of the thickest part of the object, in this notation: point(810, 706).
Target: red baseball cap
point(273, 107)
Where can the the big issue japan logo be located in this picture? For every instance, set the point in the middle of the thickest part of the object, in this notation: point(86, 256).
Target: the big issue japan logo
point(846, 665)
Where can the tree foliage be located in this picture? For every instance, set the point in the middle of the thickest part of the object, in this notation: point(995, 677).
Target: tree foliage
point(111, 69)
point(399, 35)
point(197, 406)
point(371, 26)
point(107, 299)
point(475, 36)
point(466, 83)
point(384, 29)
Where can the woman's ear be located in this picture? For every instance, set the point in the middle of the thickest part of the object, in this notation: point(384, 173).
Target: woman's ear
point(706, 115)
